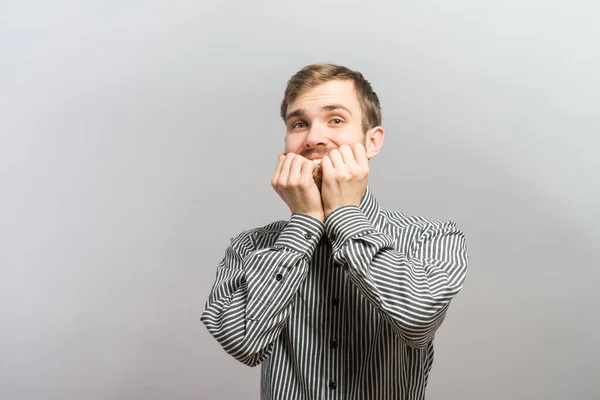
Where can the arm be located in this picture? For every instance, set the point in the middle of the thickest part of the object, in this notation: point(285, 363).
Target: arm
point(254, 289)
point(411, 287)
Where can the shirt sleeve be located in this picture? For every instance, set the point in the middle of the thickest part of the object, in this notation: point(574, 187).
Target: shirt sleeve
point(255, 288)
point(411, 285)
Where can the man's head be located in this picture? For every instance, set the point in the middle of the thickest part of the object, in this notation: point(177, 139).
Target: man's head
point(326, 106)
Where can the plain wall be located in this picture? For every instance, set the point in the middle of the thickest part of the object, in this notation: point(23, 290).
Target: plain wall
point(138, 137)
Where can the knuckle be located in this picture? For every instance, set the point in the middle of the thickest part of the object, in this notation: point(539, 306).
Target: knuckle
point(343, 175)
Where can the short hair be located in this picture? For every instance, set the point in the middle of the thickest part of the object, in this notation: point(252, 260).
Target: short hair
point(315, 74)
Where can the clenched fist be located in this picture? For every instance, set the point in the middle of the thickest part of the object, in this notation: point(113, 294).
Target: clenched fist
point(293, 181)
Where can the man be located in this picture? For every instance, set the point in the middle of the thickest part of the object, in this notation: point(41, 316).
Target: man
point(342, 300)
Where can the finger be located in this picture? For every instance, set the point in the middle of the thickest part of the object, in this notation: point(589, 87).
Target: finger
point(360, 154)
point(296, 169)
point(284, 177)
point(348, 155)
point(278, 168)
point(308, 167)
point(336, 158)
point(326, 166)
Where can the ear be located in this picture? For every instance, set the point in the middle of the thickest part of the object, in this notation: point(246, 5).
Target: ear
point(374, 141)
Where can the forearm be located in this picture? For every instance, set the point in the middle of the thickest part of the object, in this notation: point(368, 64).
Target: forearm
point(254, 292)
point(411, 285)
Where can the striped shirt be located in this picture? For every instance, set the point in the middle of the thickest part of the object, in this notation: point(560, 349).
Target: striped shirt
point(341, 309)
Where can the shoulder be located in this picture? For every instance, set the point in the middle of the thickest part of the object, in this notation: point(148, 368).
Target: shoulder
point(411, 232)
point(417, 223)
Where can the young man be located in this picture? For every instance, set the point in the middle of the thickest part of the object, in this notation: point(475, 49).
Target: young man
point(341, 301)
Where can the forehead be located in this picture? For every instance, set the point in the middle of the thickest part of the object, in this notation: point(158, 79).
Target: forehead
point(332, 92)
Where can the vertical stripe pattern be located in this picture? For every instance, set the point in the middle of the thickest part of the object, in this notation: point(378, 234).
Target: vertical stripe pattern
point(342, 309)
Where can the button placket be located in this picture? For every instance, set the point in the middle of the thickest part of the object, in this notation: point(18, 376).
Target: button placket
point(334, 344)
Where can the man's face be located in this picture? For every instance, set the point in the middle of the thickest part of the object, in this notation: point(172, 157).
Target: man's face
point(324, 118)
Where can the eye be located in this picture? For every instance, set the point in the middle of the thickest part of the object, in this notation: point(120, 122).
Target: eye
point(336, 121)
point(299, 125)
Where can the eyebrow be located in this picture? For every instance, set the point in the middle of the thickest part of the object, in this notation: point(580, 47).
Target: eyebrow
point(333, 107)
point(330, 107)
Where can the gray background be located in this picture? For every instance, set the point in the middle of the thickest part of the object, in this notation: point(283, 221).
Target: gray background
point(139, 136)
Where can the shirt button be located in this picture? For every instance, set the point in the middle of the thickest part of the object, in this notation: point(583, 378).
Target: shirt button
point(332, 385)
point(308, 235)
point(279, 277)
point(335, 302)
point(334, 344)
point(332, 237)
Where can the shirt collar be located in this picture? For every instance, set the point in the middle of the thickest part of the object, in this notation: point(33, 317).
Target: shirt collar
point(369, 206)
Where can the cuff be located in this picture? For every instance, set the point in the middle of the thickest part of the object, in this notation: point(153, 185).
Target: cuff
point(302, 234)
point(346, 222)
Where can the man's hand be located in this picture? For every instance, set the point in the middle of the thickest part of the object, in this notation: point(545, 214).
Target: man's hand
point(345, 177)
point(293, 181)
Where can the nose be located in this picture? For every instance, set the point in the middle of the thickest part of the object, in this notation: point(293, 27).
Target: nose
point(316, 136)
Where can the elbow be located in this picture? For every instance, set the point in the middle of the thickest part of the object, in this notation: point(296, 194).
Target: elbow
point(245, 353)
point(252, 360)
point(418, 333)
point(418, 340)
point(236, 344)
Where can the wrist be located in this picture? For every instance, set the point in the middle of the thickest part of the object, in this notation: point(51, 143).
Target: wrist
point(332, 208)
point(318, 215)
point(302, 234)
point(314, 214)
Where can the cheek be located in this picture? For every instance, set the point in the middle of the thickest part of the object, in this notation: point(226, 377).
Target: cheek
point(346, 136)
point(292, 143)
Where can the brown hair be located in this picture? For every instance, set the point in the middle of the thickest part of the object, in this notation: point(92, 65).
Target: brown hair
point(312, 75)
